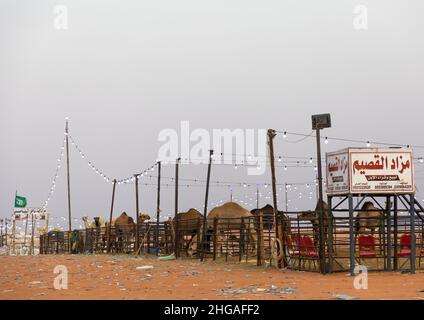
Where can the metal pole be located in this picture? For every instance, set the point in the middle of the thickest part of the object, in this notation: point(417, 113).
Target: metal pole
point(271, 135)
point(26, 229)
point(1, 233)
point(395, 233)
point(287, 197)
point(137, 212)
point(5, 220)
point(68, 183)
point(389, 233)
point(32, 234)
point(412, 216)
point(351, 237)
point(205, 209)
point(257, 197)
point(330, 235)
point(111, 215)
point(176, 222)
point(158, 210)
point(320, 206)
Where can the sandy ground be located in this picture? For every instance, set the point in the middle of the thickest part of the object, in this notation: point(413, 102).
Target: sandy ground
point(112, 277)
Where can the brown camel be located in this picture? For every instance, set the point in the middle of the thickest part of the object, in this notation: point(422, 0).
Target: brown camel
point(267, 216)
point(368, 218)
point(230, 217)
point(188, 225)
point(125, 228)
point(313, 217)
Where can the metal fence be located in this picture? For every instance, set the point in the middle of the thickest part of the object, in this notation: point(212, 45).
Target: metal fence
point(385, 245)
point(238, 239)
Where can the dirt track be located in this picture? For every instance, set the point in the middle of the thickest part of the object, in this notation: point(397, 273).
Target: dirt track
point(111, 277)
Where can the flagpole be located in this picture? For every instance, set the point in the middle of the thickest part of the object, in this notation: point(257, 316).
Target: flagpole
point(69, 183)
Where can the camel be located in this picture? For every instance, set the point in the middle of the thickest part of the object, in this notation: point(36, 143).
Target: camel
point(94, 232)
point(98, 222)
point(267, 216)
point(188, 223)
point(313, 216)
point(368, 218)
point(233, 213)
point(125, 228)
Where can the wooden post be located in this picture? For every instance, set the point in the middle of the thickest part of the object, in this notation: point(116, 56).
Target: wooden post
point(158, 210)
point(271, 135)
point(110, 217)
point(148, 237)
point(68, 183)
point(176, 220)
point(205, 209)
point(199, 227)
point(259, 230)
point(137, 212)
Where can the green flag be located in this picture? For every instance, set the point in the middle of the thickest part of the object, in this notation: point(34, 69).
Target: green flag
point(20, 202)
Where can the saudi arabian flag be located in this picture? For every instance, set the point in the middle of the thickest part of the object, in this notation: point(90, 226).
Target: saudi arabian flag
point(20, 202)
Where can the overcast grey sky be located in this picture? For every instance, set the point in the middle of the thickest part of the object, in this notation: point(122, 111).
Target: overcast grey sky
point(124, 70)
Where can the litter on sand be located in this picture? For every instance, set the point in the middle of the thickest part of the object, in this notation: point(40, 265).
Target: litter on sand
point(167, 258)
point(346, 297)
point(144, 268)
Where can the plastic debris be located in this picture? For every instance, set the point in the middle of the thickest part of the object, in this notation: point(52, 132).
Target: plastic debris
point(168, 258)
point(144, 268)
point(346, 297)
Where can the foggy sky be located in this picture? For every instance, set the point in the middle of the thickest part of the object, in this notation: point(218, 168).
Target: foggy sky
point(124, 70)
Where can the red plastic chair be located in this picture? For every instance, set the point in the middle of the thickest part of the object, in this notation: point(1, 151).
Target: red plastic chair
point(405, 246)
point(297, 243)
point(367, 246)
point(309, 248)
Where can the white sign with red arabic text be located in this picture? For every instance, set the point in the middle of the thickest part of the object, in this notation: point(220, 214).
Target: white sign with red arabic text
point(370, 170)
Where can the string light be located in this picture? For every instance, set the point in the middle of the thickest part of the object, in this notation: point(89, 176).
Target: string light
point(101, 173)
point(56, 174)
point(286, 133)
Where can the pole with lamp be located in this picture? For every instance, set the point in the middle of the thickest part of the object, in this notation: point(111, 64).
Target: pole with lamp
point(319, 122)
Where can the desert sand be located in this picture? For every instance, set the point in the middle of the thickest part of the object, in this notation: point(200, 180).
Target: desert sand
point(117, 277)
